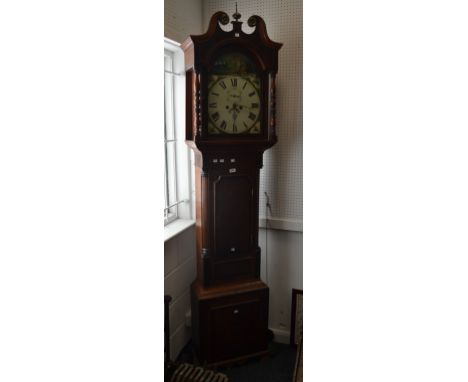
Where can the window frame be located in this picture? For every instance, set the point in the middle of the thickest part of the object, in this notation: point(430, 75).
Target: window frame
point(179, 168)
point(170, 156)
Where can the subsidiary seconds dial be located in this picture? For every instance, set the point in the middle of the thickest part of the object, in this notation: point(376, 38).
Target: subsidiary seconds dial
point(234, 105)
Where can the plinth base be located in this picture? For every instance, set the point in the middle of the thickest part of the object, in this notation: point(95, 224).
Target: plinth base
point(229, 322)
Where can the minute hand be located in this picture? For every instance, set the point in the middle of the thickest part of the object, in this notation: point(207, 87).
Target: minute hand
point(247, 107)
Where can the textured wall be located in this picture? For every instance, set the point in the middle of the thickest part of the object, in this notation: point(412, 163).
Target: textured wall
point(179, 272)
point(181, 18)
point(282, 257)
point(281, 176)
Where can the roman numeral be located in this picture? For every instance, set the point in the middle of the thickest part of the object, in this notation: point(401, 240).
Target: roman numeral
point(245, 84)
point(234, 81)
point(245, 125)
point(213, 104)
point(222, 84)
point(252, 116)
point(255, 105)
point(251, 94)
point(223, 125)
point(216, 94)
point(234, 128)
point(215, 116)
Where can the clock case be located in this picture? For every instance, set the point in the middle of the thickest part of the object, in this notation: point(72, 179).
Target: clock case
point(228, 295)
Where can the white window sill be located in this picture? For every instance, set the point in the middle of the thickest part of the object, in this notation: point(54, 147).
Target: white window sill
point(176, 227)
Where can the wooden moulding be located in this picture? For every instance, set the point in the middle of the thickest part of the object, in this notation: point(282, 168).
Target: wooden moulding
point(227, 289)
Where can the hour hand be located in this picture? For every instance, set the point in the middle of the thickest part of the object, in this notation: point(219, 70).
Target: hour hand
point(245, 106)
point(235, 107)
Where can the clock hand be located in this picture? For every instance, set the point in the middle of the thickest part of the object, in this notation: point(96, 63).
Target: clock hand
point(236, 108)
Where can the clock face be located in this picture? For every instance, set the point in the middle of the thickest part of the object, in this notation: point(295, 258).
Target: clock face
point(234, 104)
point(234, 101)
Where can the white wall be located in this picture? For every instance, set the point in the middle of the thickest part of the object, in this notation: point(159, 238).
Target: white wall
point(282, 258)
point(182, 18)
point(179, 271)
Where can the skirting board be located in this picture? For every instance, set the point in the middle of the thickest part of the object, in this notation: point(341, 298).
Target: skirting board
point(281, 336)
point(284, 224)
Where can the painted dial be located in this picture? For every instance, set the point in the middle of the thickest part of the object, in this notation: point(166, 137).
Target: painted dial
point(234, 104)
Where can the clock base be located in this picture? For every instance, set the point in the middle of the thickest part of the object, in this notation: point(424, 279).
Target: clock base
point(229, 322)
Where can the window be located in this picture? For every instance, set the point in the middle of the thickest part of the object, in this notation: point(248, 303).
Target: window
point(177, 167)
point(170, 184)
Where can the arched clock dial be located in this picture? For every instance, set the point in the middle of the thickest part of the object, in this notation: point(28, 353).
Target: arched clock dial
point(234, 104)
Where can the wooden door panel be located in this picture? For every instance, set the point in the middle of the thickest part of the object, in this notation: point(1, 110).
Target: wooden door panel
point(233, 211)
point(236, 329)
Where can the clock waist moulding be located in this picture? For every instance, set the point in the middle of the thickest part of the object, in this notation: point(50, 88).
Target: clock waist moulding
point(230, 122)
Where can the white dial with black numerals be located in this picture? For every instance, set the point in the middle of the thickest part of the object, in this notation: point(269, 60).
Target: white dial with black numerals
point(234, 105)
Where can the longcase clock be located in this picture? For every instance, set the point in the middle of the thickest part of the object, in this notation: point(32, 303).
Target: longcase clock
point(230, 122)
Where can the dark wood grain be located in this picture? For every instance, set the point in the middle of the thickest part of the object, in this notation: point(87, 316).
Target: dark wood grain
point(233, 321)
point(229, 302)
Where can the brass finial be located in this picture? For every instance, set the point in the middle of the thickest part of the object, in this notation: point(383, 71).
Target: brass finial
point(236, 15)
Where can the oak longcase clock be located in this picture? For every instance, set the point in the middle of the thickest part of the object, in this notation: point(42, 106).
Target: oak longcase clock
point(230, 122)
